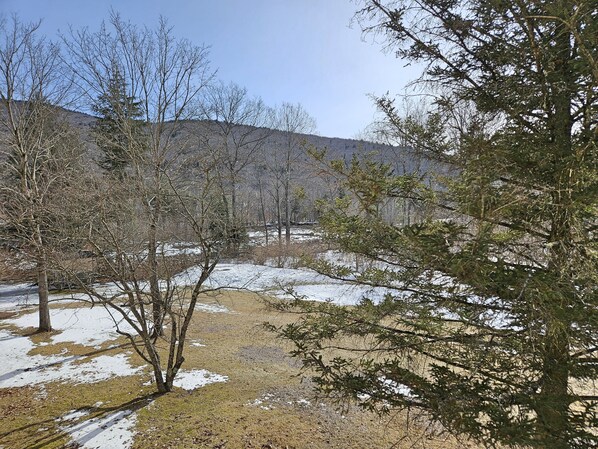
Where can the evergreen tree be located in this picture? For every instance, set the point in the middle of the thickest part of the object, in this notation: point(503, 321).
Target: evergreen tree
point(491, 320)
point(118, 130)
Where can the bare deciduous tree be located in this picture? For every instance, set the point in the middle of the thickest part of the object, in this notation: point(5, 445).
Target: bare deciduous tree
point(164, 77)
point(38, 148)
point(237, 125)
point(122, 250)
point(293, 120)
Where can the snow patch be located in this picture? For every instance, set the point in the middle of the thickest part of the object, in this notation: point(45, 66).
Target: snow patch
point(84, 326)
point(180, 248)
point(211, 308)
point(113, 431)
point(191, 380)
point(16, 296)
point(17, 369)
point(250, 276)
point(74, 415)
point(80, 326)
point(267, 402)
point(298, 234)
point(303, 282)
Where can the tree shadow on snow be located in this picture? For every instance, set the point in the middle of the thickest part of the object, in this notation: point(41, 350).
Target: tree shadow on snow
point(86, 425)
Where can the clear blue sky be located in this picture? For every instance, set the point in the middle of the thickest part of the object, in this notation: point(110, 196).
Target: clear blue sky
point(281, 50)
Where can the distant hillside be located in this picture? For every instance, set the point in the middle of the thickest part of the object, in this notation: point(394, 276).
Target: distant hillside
point(403, 159)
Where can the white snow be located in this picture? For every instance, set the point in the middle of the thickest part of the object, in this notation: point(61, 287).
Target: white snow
point(191, 380)
point(85, 326)
point(390, 386)
point(178, 249)
point(20, 296)
point(249, 276)
point(74, 415)
point(17, 368)
point(303, 282)
point(15, 296)
point(173, 249)
point(112, 431)
point(298, 234)
point(344, 294)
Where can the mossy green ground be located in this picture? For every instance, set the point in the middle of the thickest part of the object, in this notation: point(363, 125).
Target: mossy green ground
point(219, 415)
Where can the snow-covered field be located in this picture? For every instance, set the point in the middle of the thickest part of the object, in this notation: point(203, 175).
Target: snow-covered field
point(16, 296)
point(258, 278)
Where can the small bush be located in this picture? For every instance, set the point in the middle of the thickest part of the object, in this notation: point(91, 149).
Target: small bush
point(285, 256)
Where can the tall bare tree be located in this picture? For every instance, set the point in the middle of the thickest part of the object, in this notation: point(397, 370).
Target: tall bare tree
point(293, 120)
point(37, 150)
point(164, 77)
point(238, 128)
point(122, 251)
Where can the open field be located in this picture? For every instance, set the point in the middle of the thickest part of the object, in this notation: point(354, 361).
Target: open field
point(265, 402)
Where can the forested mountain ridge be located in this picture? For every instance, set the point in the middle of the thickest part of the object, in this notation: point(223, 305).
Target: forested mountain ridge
point(337, 147)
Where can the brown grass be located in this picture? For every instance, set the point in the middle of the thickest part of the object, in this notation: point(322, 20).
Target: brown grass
point(221, 415)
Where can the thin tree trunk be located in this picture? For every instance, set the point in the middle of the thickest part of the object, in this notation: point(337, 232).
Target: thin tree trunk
point(233, 203)
point(234, 226)
point(287, 193)
point(278, 217)
point(263, 208)
point(157, 309)
point(161, 385)
point(287, 210)
point(42, 286)
point(279, 262)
